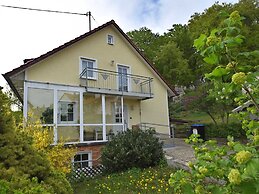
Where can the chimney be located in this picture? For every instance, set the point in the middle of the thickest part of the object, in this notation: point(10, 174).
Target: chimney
point(27, 60)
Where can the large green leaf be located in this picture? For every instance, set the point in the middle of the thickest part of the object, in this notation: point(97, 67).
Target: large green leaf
point(218, 72)
point(211, 59)
point(252, 170)
point(200, 42)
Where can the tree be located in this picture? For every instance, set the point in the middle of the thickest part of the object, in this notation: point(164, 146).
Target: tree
point(171, 64)
point(58, 155)
point(148, 42)
point(13, 98)
point(203, 23)
point(181, 35)
point(23, 169)
point(234, 164)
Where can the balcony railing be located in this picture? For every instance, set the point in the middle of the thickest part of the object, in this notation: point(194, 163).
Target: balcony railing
point(111, 82)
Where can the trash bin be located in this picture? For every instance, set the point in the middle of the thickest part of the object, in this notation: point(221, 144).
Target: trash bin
point(198, 129)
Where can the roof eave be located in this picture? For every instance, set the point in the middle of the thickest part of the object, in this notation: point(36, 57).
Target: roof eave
point(9, 81)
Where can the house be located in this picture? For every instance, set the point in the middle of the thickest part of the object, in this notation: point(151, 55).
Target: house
point(243, 107)
point(90, 88)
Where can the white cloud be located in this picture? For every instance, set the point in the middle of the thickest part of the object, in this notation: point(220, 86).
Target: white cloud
point(27, 34)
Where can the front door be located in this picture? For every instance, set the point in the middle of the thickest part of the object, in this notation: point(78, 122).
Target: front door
point(123, 79)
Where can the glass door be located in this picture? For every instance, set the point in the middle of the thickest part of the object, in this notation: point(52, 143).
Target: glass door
point(123, 80)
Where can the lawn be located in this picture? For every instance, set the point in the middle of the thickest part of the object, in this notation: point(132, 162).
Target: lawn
point(150, 180)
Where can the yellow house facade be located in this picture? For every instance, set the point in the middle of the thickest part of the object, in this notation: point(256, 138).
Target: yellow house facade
point(91, 88)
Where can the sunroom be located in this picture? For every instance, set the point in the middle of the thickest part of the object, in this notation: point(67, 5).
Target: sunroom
point(74, 115)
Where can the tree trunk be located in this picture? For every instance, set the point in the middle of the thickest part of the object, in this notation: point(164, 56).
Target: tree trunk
point(211, 116)
point(227, 117)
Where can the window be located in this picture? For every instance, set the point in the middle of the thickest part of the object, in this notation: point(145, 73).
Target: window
point(110, 39)
point(90, 66)
point(67, 112)
point(82, 160)
point(123, 79)
point(118, 114)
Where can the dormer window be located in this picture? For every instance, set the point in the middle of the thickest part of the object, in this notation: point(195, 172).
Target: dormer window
point(110, 39)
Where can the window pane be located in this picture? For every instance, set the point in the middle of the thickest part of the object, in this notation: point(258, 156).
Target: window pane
point(69, 133)
point(93, 133)
point(84, 64)
point(90, 64)
point(90, 73)
point(92, 109)
point(113, 130)
point(40, 105)
point(77, 158)
point(84, 164)
point(70, 108)
point(70, 117)
point(63, 117)
point(68, 103)
point(112, 109)
point(84, 157)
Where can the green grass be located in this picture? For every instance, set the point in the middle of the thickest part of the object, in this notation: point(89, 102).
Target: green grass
point(150, 180)
point(200, 117)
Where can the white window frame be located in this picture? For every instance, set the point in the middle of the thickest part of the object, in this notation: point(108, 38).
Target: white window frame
point(94, 77)
point(81, 90)
point(75, 110)
point(90, 158)
point(110, 39)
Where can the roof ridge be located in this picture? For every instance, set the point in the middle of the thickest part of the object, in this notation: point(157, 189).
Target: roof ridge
point(57, 49)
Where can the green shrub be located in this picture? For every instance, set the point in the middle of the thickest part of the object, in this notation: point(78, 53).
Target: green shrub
point(23, 169)
point(224, 130)
point(132, 148)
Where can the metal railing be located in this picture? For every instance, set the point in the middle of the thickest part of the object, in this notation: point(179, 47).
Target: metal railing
point(153, 126)
point(112, 82)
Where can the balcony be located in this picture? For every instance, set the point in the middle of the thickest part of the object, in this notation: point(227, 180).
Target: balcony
point(116, 83)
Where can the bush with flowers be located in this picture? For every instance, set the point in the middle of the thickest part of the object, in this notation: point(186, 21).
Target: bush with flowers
point(231, 168)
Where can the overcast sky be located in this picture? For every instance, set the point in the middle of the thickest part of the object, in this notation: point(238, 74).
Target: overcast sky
point(28, 34)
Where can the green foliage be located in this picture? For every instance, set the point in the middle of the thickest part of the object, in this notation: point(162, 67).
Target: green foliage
point(132, 148)
point(222, 169)
point(24, 169)
point(171, 64)
point(223, 130)
point(153, 44)
point(149, 180)
point(14, 101)
point(216, 100)
point(147, 41)
point(229, 168)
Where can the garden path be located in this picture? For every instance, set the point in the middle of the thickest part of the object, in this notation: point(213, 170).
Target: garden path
point(177, 152)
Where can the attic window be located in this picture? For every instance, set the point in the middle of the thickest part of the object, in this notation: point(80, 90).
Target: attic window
point(110, 39)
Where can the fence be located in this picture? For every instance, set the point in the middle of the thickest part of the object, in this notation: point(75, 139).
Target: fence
point(87, 172)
